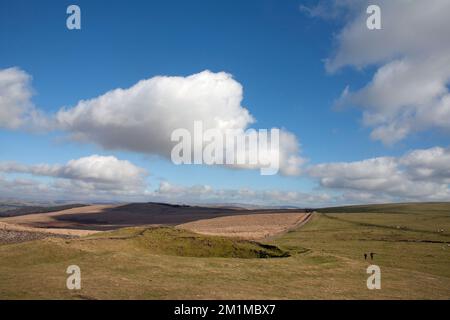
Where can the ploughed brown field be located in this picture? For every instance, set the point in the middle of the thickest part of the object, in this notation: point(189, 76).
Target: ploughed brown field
point(225, 221)
point(248, 226)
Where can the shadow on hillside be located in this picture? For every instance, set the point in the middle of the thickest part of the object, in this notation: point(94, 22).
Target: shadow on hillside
point(134, 214)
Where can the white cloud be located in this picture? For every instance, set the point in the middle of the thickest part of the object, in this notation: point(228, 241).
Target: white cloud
point(16, 109)
point(409, 28)
point(94, 173)
point(79, 190)
point(103, 169)
point(142, 118)
point(206, 194)
point(418, 175)
point(409, 91)
point(430, 164)
point(15, 95)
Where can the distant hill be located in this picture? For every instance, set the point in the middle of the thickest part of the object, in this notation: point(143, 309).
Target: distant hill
point(109, 217)
point(414, 207)
point(24, 210)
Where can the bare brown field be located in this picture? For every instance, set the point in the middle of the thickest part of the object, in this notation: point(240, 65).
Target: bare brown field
point(50, 221)
point(110, 217)
point(249, 227)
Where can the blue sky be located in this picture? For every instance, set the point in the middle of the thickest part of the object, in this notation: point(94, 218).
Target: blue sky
point(274, 49)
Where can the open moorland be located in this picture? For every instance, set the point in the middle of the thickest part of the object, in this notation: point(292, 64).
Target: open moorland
point(202, 256)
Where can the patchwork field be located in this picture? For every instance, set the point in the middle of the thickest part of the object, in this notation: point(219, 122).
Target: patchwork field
point(321, 259)
point(110, 217)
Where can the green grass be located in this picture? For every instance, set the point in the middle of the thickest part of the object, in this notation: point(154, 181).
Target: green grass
point(398, 208)
point(177, 242)
point(326, 261)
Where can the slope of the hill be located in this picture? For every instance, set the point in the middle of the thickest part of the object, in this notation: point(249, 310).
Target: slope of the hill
point(326, 261)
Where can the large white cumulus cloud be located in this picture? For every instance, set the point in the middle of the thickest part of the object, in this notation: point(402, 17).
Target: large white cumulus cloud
point(409, 91)
point(142, 118)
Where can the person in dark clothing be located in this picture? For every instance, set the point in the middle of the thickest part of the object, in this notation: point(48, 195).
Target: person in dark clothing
point(365, 256)
point(371, 255)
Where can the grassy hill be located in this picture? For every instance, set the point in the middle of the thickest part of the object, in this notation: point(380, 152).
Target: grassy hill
point(326, 261)
point(177, 242)
point(398, 208)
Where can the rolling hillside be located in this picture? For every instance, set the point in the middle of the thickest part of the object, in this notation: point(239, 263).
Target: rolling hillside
point(323, 259)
